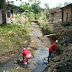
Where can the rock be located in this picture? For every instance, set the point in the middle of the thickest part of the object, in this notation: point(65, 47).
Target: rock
point(17, 67)
point(4, 71)
point(55, 70)
point(49, 70)
point(7, 71)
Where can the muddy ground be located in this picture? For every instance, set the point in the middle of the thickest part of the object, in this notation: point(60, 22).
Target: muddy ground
point(38, 45)
point(12, 61)
point(62, 62)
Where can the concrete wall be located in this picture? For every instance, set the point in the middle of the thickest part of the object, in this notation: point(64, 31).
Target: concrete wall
point(7, 18)
point(0, 16)
point(55, 17)
point(58, 16)
point(52, 17)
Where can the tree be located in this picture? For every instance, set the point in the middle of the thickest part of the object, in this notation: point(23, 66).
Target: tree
point(25, 6)
point(47, 10)
point(36, 9)
point(10, 2)
point(34, 1)
point(3, 7)
point(3, 11)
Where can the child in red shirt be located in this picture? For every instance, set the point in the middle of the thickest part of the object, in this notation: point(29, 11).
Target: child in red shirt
point(26, 55)
point(52, 48)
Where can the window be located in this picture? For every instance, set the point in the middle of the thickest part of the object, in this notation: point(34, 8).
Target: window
point(8, 14)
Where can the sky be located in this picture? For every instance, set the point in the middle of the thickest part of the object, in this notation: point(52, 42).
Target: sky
point(52, 3)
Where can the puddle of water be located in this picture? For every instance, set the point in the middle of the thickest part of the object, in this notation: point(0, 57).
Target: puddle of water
point(8, 65)
point(39, 62)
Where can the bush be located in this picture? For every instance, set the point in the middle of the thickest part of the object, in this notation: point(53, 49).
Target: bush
point(63, 23)
point(12, 37)
point(17, 16)
point(46, 29)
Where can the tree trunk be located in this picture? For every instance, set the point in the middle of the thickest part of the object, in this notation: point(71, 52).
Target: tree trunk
point(3, 11)
point(35, 1)
point(35, 16)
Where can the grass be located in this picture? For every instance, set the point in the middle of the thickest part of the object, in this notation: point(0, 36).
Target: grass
point(17, 16)
point(46, 29)
point(12, 37)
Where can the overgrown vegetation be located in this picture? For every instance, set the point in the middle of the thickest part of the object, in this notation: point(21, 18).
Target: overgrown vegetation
point(55, 53)
point(36, 9)
point(63, 23)
point(46, 29)
point(12, 37)
point(47, 11)
point(17, 17)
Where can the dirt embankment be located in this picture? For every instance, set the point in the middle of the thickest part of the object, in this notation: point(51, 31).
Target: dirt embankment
point(8, 55)
point(62, 32)
point(62, 62)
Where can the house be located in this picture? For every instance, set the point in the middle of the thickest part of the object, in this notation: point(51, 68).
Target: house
point(67, 13)
point(42, 9)
point(55, 14)
point(11, 11)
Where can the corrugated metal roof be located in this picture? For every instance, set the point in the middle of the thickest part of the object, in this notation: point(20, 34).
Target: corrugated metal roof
point(54, 10)
point(66, 6)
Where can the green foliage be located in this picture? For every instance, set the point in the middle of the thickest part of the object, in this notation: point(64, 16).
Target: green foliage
point(60, 46)
point(42, 24)
point(26, 7)
point(17, 16)
point(36, 8)
point(47, 10)
point(55, 53)
point(46, 29)
point(64, 23)
point(12, 37)
point(38, 16)
point(5, 29)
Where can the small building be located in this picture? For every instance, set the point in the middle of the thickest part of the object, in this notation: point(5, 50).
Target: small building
point(55, 14)
point(11, 11)
point(43, 10)
point(67, 13)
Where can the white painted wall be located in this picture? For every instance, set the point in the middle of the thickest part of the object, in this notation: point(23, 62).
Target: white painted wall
point(8, 20)
point(0, 16)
